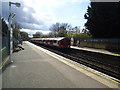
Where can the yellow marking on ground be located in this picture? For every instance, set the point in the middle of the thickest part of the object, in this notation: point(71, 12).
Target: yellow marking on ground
point(86, 71)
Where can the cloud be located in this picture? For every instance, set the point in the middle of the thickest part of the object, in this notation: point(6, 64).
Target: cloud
point(37, 4)
point(76, 1)
point(34, 31)
point(36, 14)
point(43, 10)
point(25, 16)
point(11, 0)
point(31, 26)
point(39, 12)
point(25, 9)
point(74, 17)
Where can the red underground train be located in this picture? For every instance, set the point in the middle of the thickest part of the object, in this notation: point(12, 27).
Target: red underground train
point(60, 42)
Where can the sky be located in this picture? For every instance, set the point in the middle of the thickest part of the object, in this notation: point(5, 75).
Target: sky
point(39, 15)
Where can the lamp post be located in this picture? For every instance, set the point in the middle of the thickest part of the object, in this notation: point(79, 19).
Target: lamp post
point(10, 34)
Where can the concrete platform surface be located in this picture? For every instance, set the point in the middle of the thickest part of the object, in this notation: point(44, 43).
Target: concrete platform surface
point(96, 50)
point(33, 68)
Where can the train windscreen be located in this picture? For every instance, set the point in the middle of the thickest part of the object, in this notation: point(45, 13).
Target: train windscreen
point(65, 42)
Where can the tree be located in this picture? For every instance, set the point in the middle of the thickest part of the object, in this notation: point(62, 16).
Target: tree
point(51, 34)
point(59, 29)
point(17, 34)
point(16, 31)
point(24, 35)
point(103, 19)
point(62, 33)
point(38, 34)
point(55, 29)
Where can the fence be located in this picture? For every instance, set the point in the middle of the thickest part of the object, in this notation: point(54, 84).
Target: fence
point(5, 47)
point(109, 44)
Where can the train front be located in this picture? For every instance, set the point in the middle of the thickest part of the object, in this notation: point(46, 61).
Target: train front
point(64, 43)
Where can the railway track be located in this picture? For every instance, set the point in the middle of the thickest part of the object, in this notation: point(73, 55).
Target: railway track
point(107, 64)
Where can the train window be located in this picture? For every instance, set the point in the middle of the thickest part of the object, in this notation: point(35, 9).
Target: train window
point(65, 42)
point(55, 41)
point(50, 40)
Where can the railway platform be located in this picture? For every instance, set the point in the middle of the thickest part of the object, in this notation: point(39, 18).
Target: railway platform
point(96, 50)
point(35, 67)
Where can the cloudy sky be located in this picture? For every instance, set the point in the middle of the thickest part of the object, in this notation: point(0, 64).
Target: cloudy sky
point(39, 15)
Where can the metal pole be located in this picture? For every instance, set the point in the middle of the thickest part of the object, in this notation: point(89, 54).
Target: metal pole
point(10, 33)
point(0, 44)
point(10, 36)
